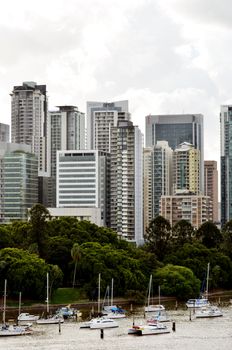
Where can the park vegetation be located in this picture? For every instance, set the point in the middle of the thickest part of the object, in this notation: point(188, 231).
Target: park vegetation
point(75, 252)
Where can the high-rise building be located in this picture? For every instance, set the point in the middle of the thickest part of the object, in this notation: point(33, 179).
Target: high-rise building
point(147, 187)
point(126, 183)
point(29, 120)
point(211, 185)
point(226, 163)
point(4, 132)
point(83, 180)
point(66, 131)
point(101, 117)
point(176, 129)
point(192, 208)
point(20, 176)
point(186, 169)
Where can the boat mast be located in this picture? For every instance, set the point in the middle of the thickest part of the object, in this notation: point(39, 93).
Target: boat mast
point(149, 291)
point(20, 298)
point(159, 294)
point(207, 282)
point(112, 291)
point(4, 304)
point(99, 292)
point(47, 293)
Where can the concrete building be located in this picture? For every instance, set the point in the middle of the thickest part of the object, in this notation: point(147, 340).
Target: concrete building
point(186, 169)
point(126, 184)
point(226, 163)
point(101, 117)
point(147, 187)
point(29, 120)
point(20, 176)
point(66, 131)
point(90, 214)
point(192, 208)
point(4, 132)
point(176, 129)
point(83, 180)
point(211, 185)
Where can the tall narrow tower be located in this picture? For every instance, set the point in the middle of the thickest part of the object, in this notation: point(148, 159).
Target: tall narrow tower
point(29, 120)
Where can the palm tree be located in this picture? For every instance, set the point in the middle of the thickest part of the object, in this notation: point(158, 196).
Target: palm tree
point(76, 256)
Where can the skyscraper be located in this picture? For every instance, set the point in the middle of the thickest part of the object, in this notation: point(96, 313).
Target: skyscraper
point(226, 163)
point(126, 184)
point(186, 169)
point(211, 185)
point(29, 120)
point(176, 129)
point(4, 132)
point(101, 117)
point(66, 131)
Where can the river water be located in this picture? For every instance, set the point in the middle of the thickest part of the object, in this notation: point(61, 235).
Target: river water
point(197, 334)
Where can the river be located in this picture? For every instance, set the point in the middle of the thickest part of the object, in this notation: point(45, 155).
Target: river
point(197, 334)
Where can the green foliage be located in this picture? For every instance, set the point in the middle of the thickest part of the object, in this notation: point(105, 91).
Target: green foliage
point(227, 238)
point(209, 235)
point(182, 232)
point(177, 280)
point(158, 236)
point(24, 272)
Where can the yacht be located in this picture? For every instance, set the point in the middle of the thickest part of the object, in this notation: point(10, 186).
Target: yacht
point(26, 317)
point(207, 312)
point(12, 330)
point(149, 329)
point(197, 303)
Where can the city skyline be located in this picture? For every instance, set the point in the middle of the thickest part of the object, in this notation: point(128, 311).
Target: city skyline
point(164, 57)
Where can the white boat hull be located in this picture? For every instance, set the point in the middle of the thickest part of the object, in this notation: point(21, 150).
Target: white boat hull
point(50, 320)
point(8, 331)
point(148, 330)
point(154, 308)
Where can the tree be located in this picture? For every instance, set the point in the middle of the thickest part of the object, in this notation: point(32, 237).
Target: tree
point(209, 235)
point(182, 232)
point(177, 281)
point(76, 256)
point(158, 236)
point(227, 238)
point(39, 215)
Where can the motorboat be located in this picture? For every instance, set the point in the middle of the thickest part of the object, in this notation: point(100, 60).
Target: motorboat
point(154, 308)
point(197, 303)
point(53, 319)
point(13, 330)
point(26, 317)
point(100, 323)
point(207, 312)
point(149, 329)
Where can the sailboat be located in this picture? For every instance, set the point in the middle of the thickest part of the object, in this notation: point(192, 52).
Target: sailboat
point(202, 301)
point(99, 322)
point(55, 319)
point(209, 310)
point(11, 330)
point(25, 317)
point(153, 308)
point(113, 311)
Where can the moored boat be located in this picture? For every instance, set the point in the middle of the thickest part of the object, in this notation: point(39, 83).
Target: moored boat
point(149, 329)
point(208, 312)
point(26, 317)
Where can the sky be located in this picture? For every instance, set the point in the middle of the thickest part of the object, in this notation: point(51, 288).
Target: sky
point(164, 56)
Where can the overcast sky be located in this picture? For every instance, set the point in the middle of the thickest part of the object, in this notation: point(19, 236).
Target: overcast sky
point(164, 56)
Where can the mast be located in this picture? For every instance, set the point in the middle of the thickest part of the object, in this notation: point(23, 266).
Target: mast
point(149, 291)
point(99, 292)
point(207, 281)
point(47, 301)
point(20, 298)
point(112, 291)
point(4, 304)
point(159, 294)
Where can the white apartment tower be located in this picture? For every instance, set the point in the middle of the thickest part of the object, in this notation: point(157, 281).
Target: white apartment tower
point(101, 117)
point(66, 131)
point(29, 120)
point(82, 180)
point(126, 182)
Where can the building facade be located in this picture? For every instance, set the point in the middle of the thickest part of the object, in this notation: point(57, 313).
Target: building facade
point(20, 172)
point(29, 120)
point(126, 183)
point(101, 117)
point(211, 185)
point(4, 132)
point(147, 187)
point(176, 129)
point(83, 180)
point(226, 163)
point(66, 131)
point(186, 169)
point(192, 208)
